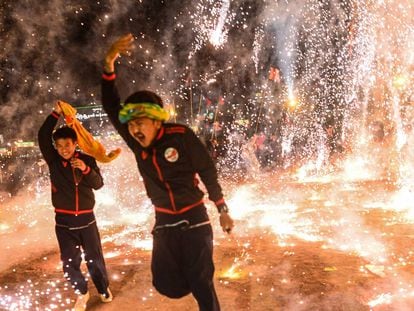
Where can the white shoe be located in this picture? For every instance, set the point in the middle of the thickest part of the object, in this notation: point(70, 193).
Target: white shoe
point(81, 302)
point(107, 299)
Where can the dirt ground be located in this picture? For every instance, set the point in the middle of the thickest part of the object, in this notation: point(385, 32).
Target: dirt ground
point(343, 246)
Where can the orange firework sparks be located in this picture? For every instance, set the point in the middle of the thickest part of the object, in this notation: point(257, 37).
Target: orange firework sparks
point(314, 234)
point(400, 82)
point(233, 272)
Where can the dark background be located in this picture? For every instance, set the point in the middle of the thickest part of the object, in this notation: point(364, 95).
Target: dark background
point(53, 50)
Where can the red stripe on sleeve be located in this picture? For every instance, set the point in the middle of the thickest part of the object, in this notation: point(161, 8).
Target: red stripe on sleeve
point(108, 77)
point(221, 201)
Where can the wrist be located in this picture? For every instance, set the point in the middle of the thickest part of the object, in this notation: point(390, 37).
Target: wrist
point(86, 170)
point(223, 208)
point(56, 113)
point(109, 67)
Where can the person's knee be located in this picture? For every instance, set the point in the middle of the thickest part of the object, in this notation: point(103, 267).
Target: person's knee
point(71, 255)
point(94, 259)
point(170, 290)
point(69, 262)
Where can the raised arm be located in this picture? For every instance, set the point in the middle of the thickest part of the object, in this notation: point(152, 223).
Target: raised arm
point(122, 46)
point(45, 135)
point(111, 100)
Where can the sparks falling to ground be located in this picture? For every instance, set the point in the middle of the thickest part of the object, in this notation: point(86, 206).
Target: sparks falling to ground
point(328, 224)
point(300, 244)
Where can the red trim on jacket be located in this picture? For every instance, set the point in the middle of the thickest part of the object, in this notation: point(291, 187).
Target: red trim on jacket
point(77, 182)
point(157, 167)
point(172, 130)
point(160, 133)
point(154, 161)
point(219, 202)
point(182, 210)
point(108, 77)
point(171, 195)
point(55, 114)
point(64, 211)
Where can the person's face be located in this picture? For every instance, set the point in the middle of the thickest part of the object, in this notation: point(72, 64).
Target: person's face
point(65, 147)
point(144, 130)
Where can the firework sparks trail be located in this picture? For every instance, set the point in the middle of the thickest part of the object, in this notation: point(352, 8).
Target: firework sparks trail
point(211, 20)
point(359, 208)
point(307, 210)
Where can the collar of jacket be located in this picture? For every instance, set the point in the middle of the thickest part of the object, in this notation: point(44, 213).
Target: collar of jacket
point(66, 162)
point(160, 134)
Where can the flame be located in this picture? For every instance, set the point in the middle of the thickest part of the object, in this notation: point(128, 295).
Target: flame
point(233, 272)
point(292, 102)
point(381, 300)
point(388, 298)
point(401, 81)
point(112, 254)
point(4, 227)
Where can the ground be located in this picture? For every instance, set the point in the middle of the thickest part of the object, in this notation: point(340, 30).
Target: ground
point(320, 244)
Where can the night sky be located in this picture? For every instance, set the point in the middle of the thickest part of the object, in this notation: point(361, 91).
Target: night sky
point(54, 49)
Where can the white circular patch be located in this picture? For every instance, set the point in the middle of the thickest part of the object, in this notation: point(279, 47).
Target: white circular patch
point(171, 154)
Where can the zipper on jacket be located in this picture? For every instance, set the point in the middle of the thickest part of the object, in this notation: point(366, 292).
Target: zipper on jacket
point(170, 193)
point(76, 192)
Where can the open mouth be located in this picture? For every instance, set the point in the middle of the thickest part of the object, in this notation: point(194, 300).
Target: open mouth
point(139, 136)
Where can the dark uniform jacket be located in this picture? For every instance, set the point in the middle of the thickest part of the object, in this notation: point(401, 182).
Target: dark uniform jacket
point(169, 166)
point(72, 189)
